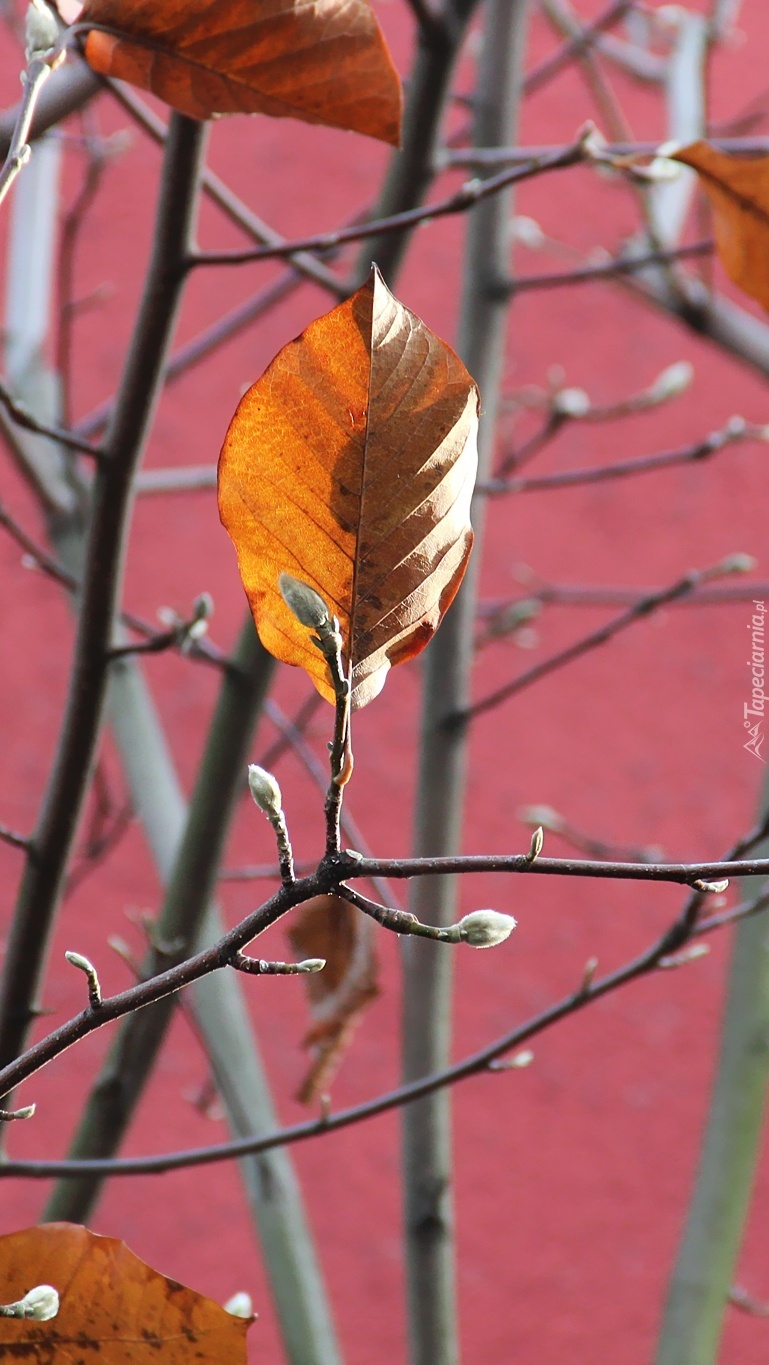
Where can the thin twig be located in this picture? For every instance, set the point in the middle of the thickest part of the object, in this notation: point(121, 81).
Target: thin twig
point(24, 418)
point(735, 430)
point(589, 989)
point(9, 836)
point(472, 193)
point(643, 608)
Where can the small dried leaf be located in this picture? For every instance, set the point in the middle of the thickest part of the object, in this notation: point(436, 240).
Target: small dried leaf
point(350, 466)
point(332, 928)
point(738, 190)
point(325, 62)
point(113, 1307)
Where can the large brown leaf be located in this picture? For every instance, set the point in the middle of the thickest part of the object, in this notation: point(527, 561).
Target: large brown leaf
point(738, 189)
point(325, 62)
point(350, 465)
point(113, 1309)
point(332, 928)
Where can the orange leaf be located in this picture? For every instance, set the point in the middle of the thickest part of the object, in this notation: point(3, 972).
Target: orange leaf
point(325, 62)
point(350, 465)
point(738, 189)
point(113, 1307)
point(332, 928)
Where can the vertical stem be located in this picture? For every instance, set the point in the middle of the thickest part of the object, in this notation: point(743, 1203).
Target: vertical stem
point(427, 996)
point(698, 1293)
point(140, 387)
point(412, 168)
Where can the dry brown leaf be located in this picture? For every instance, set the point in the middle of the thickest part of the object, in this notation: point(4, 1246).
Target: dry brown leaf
point(114, 1309)
point(350, 465)
point(325, 62)
point(738, 190)
point(332, 928)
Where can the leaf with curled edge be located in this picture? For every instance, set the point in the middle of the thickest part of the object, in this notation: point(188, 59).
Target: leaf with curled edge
point(350, 465)
point(738, 190)
point(325, 62)
point(332, 928)
point(113, 1308)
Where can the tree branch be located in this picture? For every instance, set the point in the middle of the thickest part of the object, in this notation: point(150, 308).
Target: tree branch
point(44, 876)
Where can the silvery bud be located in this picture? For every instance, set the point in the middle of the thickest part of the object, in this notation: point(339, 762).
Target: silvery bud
point(571, 403)
point(738, 563)
point(306, 604)
point(485, 928)
point(240, 1305)
point(41, 1304)
point(673, 380)
point(265, 791)
point(41, 30)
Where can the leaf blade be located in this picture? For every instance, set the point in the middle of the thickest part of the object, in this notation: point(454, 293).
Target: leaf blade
point(738, 190)
point(113, 1306)
point(322, 63)
point(365, 428)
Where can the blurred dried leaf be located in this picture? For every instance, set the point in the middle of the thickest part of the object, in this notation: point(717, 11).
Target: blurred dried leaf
point(350, 465)
point(738, 190)
point(332, 928)
point(325, 62)
point(114, 1308)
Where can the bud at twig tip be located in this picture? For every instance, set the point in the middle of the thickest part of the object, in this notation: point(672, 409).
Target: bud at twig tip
point(485, 928)
point(265, 791)
point(306, 604)
point(40, 1304)
point(240, 1305)
point(311, 964)
point(537, 840)
point(41, 30)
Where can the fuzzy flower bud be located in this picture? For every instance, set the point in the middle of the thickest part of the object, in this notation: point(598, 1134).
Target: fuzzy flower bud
point(485, 928)
point(571, 403)
point(673, 380)
point(306, 604)
point(41, 1304)
point(41, 30)
point(240, 1305)
point(265, 791)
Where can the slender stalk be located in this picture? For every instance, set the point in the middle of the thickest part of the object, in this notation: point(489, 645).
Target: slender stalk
point(111, 1103)
point(43, 880)
point(412, 168)
point(427, 992)
point(698, 1294)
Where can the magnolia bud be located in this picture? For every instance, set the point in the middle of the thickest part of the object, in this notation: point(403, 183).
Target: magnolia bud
point(306, 604)
point(41, 1304)
point(485, 928)
point(571, 403)
point(738, 563)
point(240, 1305)
point(673, 380)
point(265, 791)
point(41, 30)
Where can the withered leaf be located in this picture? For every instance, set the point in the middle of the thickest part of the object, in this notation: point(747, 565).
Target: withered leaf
point(350, 466)
point(332, 928)
point(325, 62)
point(738, 190)
point(113, 1307)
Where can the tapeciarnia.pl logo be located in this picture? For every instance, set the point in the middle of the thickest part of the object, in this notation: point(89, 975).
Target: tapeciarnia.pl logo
point(753, 712)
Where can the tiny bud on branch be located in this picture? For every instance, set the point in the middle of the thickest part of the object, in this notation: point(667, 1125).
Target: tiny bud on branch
point(40, 1304)
point(485, 928)
point(306, 604)
point(265, 791)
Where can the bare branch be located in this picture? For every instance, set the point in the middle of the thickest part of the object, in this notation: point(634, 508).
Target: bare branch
point(472, 193)
point(735, 430)
point(644, 607)
point(24, 418)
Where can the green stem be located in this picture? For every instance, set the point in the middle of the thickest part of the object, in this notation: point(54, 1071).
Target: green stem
point(44, 875)
point(428, 974)
point(704, 1272)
